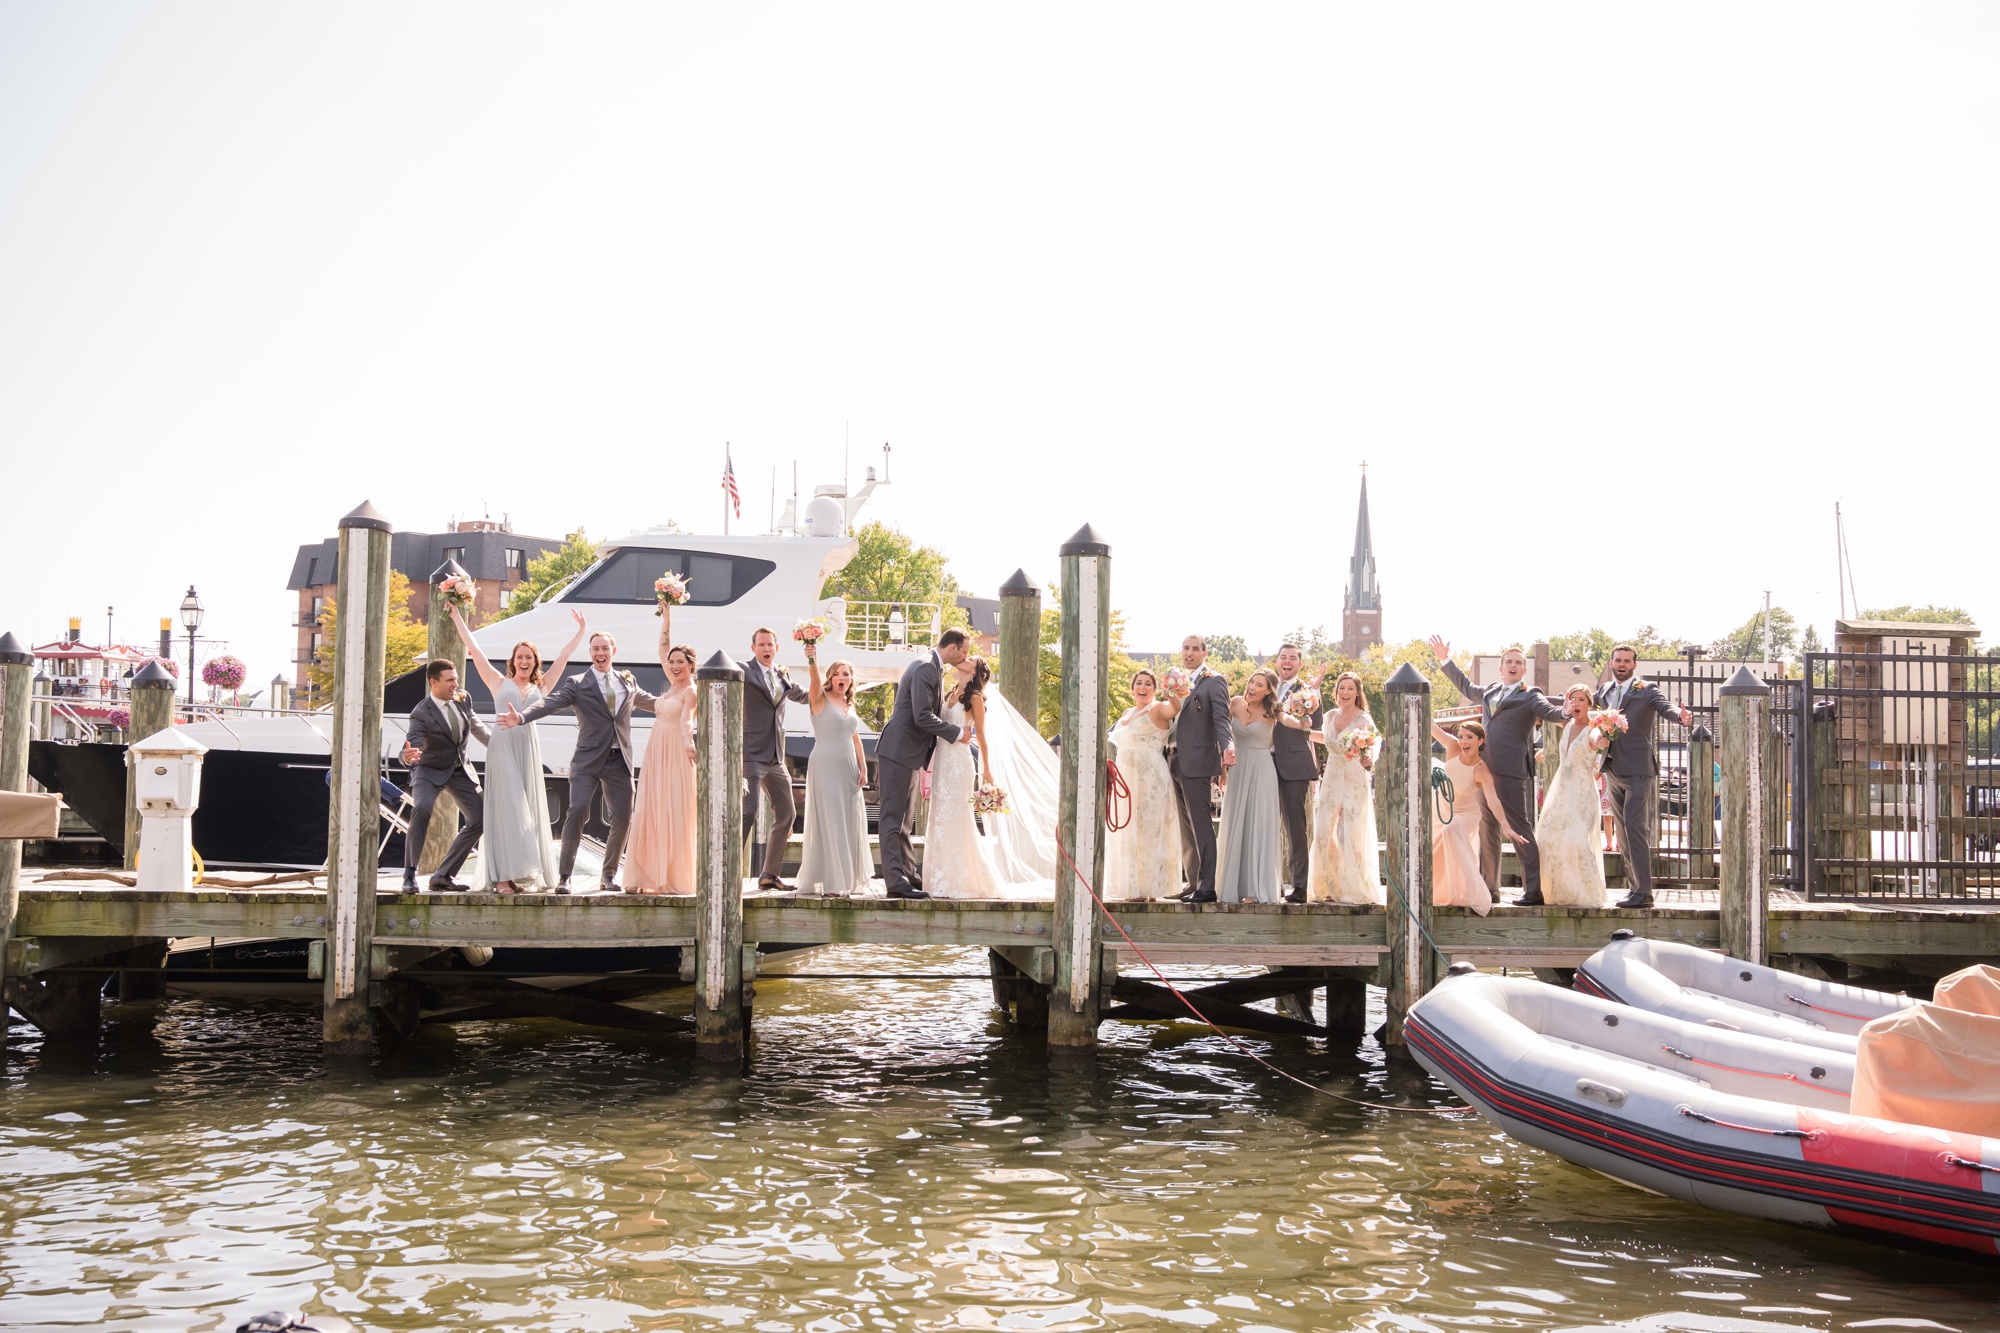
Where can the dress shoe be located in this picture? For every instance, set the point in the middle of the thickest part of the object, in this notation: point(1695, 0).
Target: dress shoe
point(563, 888)
point(409, 881)
point(1636, 899)
point(1530, 900)
point(908, 891)
point(1202, 896)
point(446, 884)
point(1296, 896)
point(1184, 895)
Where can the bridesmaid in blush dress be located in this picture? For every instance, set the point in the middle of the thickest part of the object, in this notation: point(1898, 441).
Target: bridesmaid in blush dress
point(1143, 859)
point(834, 858)
point(660, 857)
point(1249, 859)
point(517, 851)
point(1456, 880)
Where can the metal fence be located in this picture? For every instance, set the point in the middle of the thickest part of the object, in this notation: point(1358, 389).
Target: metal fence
point(1900, 780)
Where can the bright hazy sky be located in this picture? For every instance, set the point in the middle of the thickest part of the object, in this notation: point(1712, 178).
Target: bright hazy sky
point(1616, 300)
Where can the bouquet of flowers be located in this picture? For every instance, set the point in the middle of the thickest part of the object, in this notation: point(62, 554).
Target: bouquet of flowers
point(1176, 683)
point(1606, 725)
point(1302, 702)
point(458, 590)
point(811, 630)
point(668, 590)
point(118, 719)
point(225, 672)
point(1357, 742)
point(989, 800)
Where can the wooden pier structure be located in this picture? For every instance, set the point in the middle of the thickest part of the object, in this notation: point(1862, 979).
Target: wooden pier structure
point(1059, 966)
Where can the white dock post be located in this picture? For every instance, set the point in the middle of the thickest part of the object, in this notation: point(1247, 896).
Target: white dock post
point(1086, 650)
point(721, 1025)
point(1405, 764)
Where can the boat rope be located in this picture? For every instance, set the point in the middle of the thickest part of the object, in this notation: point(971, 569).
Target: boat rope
point(1859, 1018)
point(1117, 792)
point(1181, 995)
point(1441, 785)
point(1953, 1159)
point(1678, 1053)
point(1693, 1114)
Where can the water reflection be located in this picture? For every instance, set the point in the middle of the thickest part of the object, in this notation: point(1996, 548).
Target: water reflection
point(892, 1159)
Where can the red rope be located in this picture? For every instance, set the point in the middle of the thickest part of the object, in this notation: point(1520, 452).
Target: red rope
point(1760, 1073)
point(1084, 880)
point(1859, 1018)
point(1115, 792)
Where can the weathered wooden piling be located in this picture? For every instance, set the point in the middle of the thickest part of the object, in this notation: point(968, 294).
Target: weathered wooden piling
point(17, 682)
point(1405, 764)
point(1701, 804)
point(1086, 650)
point(354, 821)
point(442, 640)
point(152, 705)
point(1745, 704)
point(1021, 643)
point(721, 1020)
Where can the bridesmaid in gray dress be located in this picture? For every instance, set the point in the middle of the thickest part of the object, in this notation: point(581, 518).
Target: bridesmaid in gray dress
point(835, 858)
point(1249, 860)
point(517, 851)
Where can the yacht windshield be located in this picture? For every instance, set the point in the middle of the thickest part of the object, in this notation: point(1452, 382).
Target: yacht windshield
point(713, 580)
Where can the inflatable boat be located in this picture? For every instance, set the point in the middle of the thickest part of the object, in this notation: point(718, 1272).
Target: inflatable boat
point(1704, 987)
point(1730, 1119)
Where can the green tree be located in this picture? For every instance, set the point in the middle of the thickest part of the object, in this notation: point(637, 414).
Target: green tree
point(576, 554)
point(1226, 647)
point(406, 642)
point(1591, 645)
point(1048, 675)
point(1922, 615)
point(1650, 643)
point(1810, 642)
point(889, 567)
point(1746, 641)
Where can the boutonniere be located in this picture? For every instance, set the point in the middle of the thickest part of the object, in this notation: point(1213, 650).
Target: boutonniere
point(461, 698)
point(625, 676)
point(1639, 682)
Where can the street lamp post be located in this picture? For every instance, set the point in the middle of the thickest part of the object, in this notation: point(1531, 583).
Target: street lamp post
point(191, 614)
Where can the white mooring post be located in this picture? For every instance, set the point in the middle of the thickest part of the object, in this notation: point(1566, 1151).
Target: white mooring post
point(17, 675)
point(354, 821)
point(1086, 650)
point(721, 1023)
point(1405, 764)
point(1745, 707)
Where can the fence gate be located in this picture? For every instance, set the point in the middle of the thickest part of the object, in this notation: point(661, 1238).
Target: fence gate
point(1902, 791)
point(1685, 841)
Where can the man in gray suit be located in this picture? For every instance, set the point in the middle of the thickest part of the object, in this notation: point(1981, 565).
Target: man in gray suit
point(434, 748)
point(766, 687)
point(1204, 750)
point(1511, 711)
point(602, 699)
point(1632, 768)
point(904, 749)
point(1298, 769)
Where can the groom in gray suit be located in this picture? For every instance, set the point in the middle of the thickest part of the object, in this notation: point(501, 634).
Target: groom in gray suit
point(602, 699)
point(1511, 711)
point(1204, 750)
point(765, 689)
point(1632, 768)
point(904, 749)
point(434, 748)
point(1298, 768)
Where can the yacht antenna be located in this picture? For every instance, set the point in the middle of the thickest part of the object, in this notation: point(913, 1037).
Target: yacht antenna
point(774, 497)
point(885, 462)
point(846, 433)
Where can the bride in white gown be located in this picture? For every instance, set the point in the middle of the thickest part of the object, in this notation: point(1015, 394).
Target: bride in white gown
point(1016, 856)
point(1571, 832)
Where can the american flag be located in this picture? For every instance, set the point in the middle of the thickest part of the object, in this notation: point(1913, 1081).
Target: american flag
point(729, 482)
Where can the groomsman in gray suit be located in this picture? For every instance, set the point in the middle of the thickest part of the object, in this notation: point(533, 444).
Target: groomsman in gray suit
point(1298, 768)
point(1632, 768)
point(1203, 751)
point(1511, 711)
point(766, 687)
point(434, 748)
point(914, 731)
point(602, 700)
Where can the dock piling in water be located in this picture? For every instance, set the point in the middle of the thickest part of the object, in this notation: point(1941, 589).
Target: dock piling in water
point(17, 682)
point(354, 821)
point(1021, 643)
point(152, 704)
point(1405, 765)
point(1086, 650)
point(1745, 705)
point(721, 1017)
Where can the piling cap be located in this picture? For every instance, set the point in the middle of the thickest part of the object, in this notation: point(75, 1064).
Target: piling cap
point(450, 569)
point(1744, 683)
point(12, 652)
point(1407, 680)
point(1018, 584)
point(167, 741)
point(719, 667)
point(1701, 733)
point(367, 516)
point(1085, 541)
point(1622, 933)
point(152, 673)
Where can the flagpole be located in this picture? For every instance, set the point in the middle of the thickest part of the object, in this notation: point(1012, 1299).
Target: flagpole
point(727, 464)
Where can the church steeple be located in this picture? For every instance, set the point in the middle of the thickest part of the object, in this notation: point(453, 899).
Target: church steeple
point(1361, 613)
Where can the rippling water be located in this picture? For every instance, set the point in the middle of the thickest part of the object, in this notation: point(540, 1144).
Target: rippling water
point(894, 1159)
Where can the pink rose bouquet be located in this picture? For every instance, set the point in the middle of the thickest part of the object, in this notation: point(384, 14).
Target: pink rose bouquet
point(459, 591)
point(669, 590)
point(1176, 683)
point(1606, 725)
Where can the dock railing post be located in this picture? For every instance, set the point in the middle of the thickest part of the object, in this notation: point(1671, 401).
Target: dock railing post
point(1086, 648)
point(1405, 766)
point(1745, 705)
point(17, 683)
point(720, 1028)
point(441, 641)
point(1701, 803)
point(152, 705)
point(354, 821)
point(1021, 644)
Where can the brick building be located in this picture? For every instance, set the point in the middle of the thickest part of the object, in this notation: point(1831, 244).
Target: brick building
point(492, 553)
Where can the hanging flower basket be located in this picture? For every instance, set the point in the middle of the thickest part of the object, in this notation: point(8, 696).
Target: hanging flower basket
point(225, 672)
point(118, 719)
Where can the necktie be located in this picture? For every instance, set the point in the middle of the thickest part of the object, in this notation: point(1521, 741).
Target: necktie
point(451, 720)
point(610, 697)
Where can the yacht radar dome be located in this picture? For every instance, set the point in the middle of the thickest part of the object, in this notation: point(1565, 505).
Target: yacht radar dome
point(824, 517)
